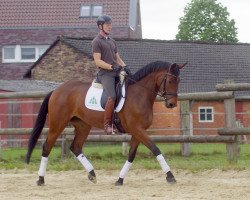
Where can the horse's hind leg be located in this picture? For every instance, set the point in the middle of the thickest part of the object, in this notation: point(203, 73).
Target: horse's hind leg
point(47, 146)
point(132, 152)
point(54, 131)
point(81, 133)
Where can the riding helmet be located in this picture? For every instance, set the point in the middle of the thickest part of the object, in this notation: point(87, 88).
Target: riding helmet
point(103, 19)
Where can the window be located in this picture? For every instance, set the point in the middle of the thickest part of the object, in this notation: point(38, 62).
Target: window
point(28, 53)
point(9, 53)
point(41, 50)
point(96, 11)
point(85, 11)
point(206, 114)
point(91, 10)
point(22, 53)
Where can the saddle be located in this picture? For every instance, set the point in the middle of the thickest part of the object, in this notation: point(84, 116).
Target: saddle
point(119, 84)
point(104, 97)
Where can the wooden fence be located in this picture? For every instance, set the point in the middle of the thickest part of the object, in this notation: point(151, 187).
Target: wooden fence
point(228, 135)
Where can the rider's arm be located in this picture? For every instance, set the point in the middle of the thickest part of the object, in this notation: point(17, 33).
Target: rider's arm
point(100, 63)
point(119, 61)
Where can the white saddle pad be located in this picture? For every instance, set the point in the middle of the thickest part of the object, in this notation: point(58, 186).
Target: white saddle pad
point(93, 99)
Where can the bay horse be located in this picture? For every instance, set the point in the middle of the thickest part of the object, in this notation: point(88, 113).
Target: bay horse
point(65, 105)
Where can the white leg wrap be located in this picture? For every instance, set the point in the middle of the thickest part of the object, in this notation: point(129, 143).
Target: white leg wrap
point(163, 163)
point(125, 169)
point(84, 161)
point(43, 166)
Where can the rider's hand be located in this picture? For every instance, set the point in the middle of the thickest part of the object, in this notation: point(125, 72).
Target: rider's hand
point(127, 70)
point(116, 68)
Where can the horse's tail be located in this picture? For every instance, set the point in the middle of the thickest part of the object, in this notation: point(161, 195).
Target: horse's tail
point(36, 132)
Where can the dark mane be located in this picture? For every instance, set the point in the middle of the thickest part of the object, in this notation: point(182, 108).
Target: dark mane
point(149, 68)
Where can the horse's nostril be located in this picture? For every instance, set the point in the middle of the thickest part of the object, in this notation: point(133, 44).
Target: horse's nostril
point(170, 105)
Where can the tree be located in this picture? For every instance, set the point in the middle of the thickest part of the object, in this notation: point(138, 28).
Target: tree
point(206, 20)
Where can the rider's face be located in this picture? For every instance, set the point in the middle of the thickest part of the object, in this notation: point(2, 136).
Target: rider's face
point(107, 27)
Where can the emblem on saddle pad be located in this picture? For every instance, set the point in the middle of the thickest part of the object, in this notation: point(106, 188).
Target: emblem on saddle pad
point(94, 97)
point(93, 101)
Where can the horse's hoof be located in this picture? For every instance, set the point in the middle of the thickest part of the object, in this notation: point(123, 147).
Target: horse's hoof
point(119, 182)
point(40, 181)
point(170, 178)
point(92, 178)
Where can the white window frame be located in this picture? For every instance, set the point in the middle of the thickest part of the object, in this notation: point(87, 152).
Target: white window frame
point(18, 58)
point(206, 120)
point(91, 10)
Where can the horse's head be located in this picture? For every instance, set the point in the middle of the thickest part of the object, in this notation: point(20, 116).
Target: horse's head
point(167, 84)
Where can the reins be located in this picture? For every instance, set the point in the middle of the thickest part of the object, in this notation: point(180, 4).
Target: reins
point(135, 82)
point(163, 93)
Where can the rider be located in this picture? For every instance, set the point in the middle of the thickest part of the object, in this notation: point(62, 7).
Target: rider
point(109, 62)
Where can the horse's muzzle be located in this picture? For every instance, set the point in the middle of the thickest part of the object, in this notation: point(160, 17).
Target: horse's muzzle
point(170, 104)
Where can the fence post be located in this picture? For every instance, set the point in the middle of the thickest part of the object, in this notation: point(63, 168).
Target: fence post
point(66, 142)
point(125, 148)
point(185, 126)
point(0, 150)
point(232, 148)
point(242, 138)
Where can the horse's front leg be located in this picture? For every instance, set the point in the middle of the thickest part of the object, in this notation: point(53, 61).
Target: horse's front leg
point(81, 134)
point(131, 156)
point(146, 140)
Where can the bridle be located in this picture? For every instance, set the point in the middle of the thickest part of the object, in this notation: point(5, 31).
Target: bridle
point(164, 93)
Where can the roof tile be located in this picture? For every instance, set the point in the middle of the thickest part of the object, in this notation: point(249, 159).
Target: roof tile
point(208, 63)
point(57, 13)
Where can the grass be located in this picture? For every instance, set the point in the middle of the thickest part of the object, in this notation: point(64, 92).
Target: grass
point(107, 156)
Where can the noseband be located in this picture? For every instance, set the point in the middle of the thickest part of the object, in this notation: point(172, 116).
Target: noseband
point(164, 94)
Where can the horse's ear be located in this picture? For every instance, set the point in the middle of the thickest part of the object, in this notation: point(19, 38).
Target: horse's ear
point(173, 65)
point(182, 65)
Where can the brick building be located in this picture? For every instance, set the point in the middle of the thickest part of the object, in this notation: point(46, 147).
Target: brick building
point(208, 64)
point(28, 28)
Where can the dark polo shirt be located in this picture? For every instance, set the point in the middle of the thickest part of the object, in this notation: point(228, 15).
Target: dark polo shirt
point(107, 48)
